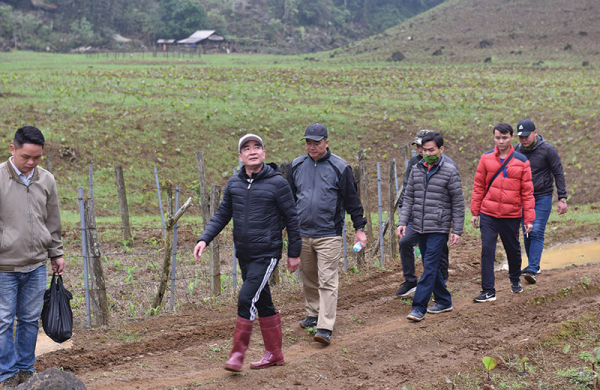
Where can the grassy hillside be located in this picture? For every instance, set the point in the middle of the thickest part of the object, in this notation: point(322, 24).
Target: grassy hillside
point(506, 30)
point(142, 113)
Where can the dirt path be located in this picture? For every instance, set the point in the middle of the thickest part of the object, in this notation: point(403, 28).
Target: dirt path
point(374, 345)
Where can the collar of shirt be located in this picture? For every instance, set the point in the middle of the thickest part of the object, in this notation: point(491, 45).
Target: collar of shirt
point(24, 179)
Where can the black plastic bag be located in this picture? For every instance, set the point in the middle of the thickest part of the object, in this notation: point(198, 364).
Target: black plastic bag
point(57, 316)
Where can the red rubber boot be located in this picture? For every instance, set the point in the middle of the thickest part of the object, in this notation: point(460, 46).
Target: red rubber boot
point(270, 328)
point(241, 339)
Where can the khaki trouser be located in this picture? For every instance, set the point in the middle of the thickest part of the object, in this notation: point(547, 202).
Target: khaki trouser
point(319, 263)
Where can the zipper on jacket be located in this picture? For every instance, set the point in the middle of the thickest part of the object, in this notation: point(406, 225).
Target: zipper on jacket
point(30, 222)
point(246, 216)
point(312, 194)
point(425, 196)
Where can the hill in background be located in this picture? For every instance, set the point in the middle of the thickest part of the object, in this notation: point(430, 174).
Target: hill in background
point(501, 30)
point(276, 26)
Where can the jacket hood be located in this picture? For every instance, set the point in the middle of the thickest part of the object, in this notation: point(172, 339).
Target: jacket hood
point(538, 141)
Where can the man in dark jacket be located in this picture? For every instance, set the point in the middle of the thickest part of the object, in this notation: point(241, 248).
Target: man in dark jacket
point(323, 186)
point(434, 199)
point(546, 168)
point(410, 239)
point(261, 203)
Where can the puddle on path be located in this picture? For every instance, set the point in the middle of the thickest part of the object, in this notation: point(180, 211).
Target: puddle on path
point(563, 255)
point(566, 254)
point(45, 344)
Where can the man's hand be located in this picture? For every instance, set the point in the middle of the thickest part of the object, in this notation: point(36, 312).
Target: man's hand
point(58, 265)
point(562, 207)
point(528, 228)
point(361, 237)
point(475, 221)
point(293, 263)
point(198, 250)
point(454, 238)
point(401, 231)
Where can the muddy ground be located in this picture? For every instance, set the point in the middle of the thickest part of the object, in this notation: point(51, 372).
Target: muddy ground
point(374, 345)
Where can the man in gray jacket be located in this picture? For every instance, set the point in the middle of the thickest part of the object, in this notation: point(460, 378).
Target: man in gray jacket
point(30, 233)
point(434, 199)
point(323, 186)
point(411, 237)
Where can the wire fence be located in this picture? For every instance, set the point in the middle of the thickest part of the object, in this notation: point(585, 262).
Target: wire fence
point(133, 266)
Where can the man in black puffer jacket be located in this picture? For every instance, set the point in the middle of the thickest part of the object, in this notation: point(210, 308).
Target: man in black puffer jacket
point(261, 203)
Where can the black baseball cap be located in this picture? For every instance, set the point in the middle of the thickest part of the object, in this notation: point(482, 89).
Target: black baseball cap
point(525, 127)
point(315, 132)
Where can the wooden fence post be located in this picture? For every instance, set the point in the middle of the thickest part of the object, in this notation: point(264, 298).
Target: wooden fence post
point(170, 226)
point(203, 191)
point(99, 301)
point(49, 163)
point(215, 260)
point(123, 203)
point(391, 210)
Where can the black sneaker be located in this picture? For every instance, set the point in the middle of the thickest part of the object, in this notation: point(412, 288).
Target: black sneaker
point(406, 289)
point(530, 278)
point(323, 336)
point(308, 322)
point(515, 285)
point(485, 296)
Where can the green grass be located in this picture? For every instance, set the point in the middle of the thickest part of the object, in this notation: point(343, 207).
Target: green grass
point(142, 113)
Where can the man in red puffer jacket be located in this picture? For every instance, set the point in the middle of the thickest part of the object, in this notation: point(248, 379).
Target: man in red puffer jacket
point(502, 195)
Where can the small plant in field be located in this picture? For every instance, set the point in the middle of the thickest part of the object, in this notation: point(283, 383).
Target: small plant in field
point(353, 269)
point(115, 262)
point(585, 281)
point(153, 241)
point(291, 276)
point(593, 358)
point(225, 281)
point(522, 361)
point(152, 266)
point(193, 284)
point(312, 330)
point(489, 363)
point(132, 310)
point(153, 311)
point(127, 244)
point(217, 347)
point(130, 271)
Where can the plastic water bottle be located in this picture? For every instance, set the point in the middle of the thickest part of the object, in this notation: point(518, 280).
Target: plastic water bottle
point(357, 247)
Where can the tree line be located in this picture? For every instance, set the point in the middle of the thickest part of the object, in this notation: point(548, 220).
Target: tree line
point(288, 26)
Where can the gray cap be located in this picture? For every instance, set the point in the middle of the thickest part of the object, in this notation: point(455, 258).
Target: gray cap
point(249, 137)
point(420, 135)
point(316, 132)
